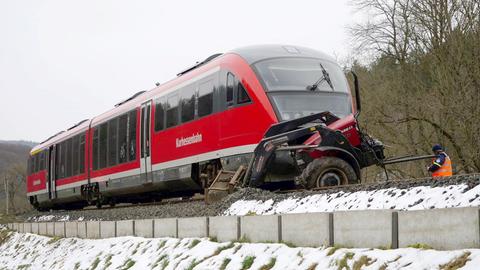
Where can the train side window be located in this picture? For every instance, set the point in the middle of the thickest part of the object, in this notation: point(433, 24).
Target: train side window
point(95, 149)
point(81, 166)
point(75, 153)
point(205, 98)
point(188, 103)
point(63, 167)
point(42, 160)
point(102, 161)
point(132, 135)
point(230, 88)
point(57, 161)
point(37, 161)
point(159, 114)
point(122, 138)
point(172, 111)
point(112, 142)
point(68, 158)
point(242, 95)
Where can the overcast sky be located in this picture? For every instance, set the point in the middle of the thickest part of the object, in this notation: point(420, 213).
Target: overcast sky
point(64, 61)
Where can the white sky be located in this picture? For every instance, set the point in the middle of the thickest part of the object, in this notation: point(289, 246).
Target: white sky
point(64, 61)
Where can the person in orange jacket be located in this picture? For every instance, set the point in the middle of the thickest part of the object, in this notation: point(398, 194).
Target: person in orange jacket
point(441, 164)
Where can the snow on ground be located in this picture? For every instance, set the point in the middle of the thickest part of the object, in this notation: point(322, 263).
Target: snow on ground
point(415, 198)
point(29, 251)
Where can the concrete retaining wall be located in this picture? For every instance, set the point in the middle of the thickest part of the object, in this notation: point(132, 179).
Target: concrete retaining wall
point(260, 228)
point(93, 229)
point(35, 228)
point(108, 229)
point(50, 228)
point(224, 229)
point(369, 229)
point(82, 229)
point(193, 227)
point(307, 230)
point(144, 228)
point(451, 228)
point(125, 228)
point(454, 228)
point(71, 229)
point(42, 228)
point(165, 227)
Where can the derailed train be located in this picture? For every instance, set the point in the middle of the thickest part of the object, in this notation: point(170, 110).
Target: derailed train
point(286, 112)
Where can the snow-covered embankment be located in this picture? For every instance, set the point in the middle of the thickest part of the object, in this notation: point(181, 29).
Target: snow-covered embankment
point(29, 251)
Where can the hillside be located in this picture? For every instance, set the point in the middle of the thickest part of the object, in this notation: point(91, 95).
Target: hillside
point(12, 152)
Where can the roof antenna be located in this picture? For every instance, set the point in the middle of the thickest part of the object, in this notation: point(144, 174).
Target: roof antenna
point(157, 84)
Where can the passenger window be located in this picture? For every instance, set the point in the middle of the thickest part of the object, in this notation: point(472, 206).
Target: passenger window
point(95, 149)
point(205, 98)
point(68, 158)
point(42, 161)
point(37, 163)
point(122, 138)
point(57, 161)
point(102, 161)
point(172, 111)
point(159, 114)
point(242, 95)
point(112, 142)
point(63, 166)
point(82, 154)
point(75, 158)
point(188, 103)
point(132, 135)
point(230, 86)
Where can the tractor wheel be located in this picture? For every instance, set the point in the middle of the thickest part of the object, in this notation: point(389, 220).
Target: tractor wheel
point(328, 171)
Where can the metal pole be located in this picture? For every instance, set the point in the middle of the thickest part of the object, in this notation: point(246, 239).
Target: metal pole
point(6, 194)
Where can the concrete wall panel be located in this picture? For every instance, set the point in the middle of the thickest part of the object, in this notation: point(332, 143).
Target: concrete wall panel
point(93, 229)
point(450, 228)
point(59, 228)
point(165, 227)
point(71, 229)
point(192, 227)
point(108, 229)
point(50, 228)
point(42, 228)
point(35, 228)
point(125, 228)
point(224, 228)
point(260, 228)
point(306, 230)
point(144, 228)
point(368, 229)
point(82, 229)
point(27, 227)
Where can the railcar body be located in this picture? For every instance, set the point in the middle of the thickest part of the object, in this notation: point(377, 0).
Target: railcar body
point(172, 139)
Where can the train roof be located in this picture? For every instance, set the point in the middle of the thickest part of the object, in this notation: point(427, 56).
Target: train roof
point(70, 132)
point(251, 54)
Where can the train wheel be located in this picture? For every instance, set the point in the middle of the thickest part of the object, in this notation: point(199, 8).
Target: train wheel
point(328, 171)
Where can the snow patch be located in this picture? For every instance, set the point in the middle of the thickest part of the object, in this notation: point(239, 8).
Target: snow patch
point(39, 252)
point(415, 198)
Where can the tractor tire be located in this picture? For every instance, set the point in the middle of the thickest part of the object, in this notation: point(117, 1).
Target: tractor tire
point(328, 171)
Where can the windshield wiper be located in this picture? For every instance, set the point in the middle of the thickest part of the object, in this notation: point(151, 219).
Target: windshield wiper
point(325, 77)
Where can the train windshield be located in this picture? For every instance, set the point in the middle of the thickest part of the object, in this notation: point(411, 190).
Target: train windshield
point(287, 82)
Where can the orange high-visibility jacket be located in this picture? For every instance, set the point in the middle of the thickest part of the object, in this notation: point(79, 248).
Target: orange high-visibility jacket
point(445, 169)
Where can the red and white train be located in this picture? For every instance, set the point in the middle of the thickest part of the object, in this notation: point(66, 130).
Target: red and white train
point(159, 143)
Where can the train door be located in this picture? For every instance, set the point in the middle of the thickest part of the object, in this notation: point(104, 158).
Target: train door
point(52, 188)
point(145, 157)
